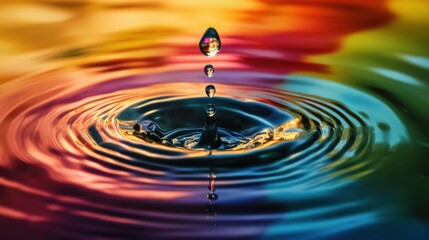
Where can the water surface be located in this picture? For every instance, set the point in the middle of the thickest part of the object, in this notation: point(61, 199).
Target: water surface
point(323, 105)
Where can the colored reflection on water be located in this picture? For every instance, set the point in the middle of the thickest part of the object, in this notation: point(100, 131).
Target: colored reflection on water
point(323, 102)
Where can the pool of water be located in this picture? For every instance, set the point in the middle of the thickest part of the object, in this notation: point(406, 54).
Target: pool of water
point(322, 109)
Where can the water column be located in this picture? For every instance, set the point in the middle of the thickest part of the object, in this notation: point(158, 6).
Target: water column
point(210, 45)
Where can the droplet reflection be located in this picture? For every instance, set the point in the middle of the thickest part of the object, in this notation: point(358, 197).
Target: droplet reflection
point(210, 42)
point(212, 185)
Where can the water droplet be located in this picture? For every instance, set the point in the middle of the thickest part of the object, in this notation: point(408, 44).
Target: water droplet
point(210, 42)
point(209, 70)
point(212, 196)
point(210, 110)
point(210, 90)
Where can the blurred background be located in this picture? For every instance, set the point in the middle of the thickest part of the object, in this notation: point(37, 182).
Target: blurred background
point(68, 68)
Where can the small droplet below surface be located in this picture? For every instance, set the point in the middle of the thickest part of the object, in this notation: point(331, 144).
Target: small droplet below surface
point(210, 110)
point(210, 42)
point(209, 70)
point(210, 90)
point(212, 196)
point(211, 209)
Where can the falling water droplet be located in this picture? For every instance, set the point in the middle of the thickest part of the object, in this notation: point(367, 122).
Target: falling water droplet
point(210, 42)
point(209, 70)
point(210, 90)
point(212, 196)
point(210, 110)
